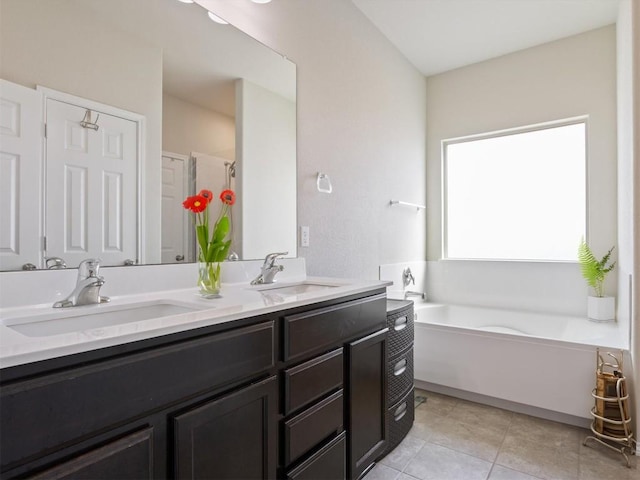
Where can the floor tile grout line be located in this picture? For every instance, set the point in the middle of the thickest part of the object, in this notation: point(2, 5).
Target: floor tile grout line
point(504, 438)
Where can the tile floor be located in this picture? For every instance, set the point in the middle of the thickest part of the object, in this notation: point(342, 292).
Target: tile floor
point(454, 439)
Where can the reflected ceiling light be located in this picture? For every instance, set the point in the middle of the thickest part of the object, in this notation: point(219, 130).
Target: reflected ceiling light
point(260, 1)
point(217, 19)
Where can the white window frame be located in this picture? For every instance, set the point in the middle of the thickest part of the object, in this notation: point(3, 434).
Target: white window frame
point(583, 119)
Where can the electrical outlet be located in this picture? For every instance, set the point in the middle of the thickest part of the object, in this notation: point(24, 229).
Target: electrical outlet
point(304, 236)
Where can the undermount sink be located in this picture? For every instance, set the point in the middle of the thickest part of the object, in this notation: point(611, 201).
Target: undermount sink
point(296, 289)
point(86, 318)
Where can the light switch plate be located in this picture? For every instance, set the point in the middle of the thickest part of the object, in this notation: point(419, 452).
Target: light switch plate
point(304, 236)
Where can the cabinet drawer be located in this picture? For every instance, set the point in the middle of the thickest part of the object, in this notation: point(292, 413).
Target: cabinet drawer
point(45, 412)
point(308, 429)
point(400, 375)
point(311, 380)
point(321, 329)
point(329, 463)
point(400, 419)
point(401, 331)
point(127, 457)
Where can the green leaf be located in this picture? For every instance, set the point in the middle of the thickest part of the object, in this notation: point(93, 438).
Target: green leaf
point(221, 229)
point(202, 236)
point(212, 251)
point(221, 255)
point(592, 270)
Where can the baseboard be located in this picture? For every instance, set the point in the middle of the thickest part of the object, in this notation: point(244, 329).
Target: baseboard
point(505, 404)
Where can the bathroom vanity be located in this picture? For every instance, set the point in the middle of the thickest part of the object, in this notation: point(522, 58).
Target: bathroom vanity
point(295, 390)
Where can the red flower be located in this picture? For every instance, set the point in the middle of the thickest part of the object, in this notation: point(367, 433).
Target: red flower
point(228, 197)
point(208, 194)
point(196, 204)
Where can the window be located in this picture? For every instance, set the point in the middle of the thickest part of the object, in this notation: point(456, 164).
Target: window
point(516, 195)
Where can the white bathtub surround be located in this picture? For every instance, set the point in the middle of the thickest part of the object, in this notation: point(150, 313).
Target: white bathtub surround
point(393, 272)
point(601, 309)
point(549, 287)
point(539, 360)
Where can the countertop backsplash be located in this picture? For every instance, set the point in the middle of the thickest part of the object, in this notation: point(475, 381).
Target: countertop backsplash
point(47, 286)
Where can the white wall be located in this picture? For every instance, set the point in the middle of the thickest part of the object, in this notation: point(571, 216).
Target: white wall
point(625, 163)
point(266, 148)
point(634, 9)
point(561, 79)
point(29, 59)
point(190, 128)
point(361, 120)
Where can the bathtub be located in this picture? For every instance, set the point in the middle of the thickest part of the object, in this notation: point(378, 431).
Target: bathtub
point(526, 360)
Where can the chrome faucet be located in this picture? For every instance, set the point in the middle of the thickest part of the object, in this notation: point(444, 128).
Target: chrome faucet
point(269, 269)
point(87, 290)
point(408, 279)
point(409, 293)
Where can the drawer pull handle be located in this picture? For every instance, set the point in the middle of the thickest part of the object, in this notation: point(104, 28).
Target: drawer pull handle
point(400, 412)
point(400, 323)
point(400, 367)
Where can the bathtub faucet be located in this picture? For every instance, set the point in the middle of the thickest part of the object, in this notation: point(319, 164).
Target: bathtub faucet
point(409, 293)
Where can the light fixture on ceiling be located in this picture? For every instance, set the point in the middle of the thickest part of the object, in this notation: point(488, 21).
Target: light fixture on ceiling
point(186, 1)
point(217, 19)
point(260, 1)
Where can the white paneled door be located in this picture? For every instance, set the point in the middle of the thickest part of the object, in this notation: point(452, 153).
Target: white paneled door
point(175, 225)
point(91, 186)
point(20, 178)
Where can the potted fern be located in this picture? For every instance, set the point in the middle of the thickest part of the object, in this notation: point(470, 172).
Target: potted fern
point(599, 307)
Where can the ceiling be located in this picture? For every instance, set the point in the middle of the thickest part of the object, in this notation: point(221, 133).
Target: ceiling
point(201, 59)
point(441, 35)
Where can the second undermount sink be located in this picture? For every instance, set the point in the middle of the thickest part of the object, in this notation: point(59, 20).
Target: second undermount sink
point(296, 289)
point(92, 317)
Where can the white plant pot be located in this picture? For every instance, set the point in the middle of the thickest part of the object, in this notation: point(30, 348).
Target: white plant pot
point(601, 309)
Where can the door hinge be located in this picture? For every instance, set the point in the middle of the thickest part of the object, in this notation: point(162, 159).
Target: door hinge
point(44, 243)
point(45, 130)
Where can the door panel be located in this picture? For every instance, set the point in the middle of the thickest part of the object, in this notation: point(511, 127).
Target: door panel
point(233, 437)
point(20, 176)
point(368, 401)
point(91, 186)
point(175, 240)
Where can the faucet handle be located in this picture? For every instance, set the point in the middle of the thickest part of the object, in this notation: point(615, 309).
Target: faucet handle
point(89, 268)
point(407, 277)
point(55, 263)
point(270, 259)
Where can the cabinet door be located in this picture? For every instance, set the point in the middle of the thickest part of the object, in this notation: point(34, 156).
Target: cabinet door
point(232, 437)
point(127, 457)
point(367, 388)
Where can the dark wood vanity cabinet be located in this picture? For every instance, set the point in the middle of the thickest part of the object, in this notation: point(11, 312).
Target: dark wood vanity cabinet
point(54, 422)
point(335, 391)
point(297, 395)
point(367, 358)
point(233, 437)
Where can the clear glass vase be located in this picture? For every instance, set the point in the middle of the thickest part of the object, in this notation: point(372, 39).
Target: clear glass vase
point(209, 279)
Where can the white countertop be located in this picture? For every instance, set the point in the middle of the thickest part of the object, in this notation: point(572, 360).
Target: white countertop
point(237, 301)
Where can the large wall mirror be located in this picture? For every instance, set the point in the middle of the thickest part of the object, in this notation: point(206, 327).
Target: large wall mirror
point(145, 102)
